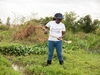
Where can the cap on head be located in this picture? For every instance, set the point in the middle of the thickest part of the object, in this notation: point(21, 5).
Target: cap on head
point(58, 16)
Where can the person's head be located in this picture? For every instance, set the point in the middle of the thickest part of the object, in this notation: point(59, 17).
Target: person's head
point(58, 17)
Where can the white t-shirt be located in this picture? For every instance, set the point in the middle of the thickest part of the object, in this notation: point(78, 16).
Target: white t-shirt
point(55, 30)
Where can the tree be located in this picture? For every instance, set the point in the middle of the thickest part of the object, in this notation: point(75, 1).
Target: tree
point(87, 25)
point(45, 20)
point(70, 21)
point(8, 21)
point(96, 23)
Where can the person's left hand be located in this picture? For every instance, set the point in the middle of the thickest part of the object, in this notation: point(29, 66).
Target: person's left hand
point(59, 38)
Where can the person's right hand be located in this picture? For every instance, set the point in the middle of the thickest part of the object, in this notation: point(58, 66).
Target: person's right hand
point(59, 38)
point(46, 31)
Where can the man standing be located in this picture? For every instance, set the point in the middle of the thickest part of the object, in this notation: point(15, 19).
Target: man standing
point(57, 32)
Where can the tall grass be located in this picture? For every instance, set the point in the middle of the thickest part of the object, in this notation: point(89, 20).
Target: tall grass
point(32, 32)
point(88, 42)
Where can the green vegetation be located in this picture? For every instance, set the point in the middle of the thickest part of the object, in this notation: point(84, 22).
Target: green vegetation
point(84, 24)
point(19, 50)
point(3, 27)
point(25, 46)
point(75, 63)
point(6, 67)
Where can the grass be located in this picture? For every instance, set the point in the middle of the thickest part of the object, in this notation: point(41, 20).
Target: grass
point(32, 32)
point(87, 42)
point(6, 67)
point(75, 63)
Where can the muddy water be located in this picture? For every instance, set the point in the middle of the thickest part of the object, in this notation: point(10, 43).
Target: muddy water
point(17, 68)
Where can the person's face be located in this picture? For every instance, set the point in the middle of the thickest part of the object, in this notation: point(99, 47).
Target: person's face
point(58, 20)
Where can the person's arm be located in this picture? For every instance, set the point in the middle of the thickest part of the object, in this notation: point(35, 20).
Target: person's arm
point(63, 34)
point(45, 28)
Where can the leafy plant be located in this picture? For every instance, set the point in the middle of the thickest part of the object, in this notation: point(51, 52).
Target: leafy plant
point(23, 50)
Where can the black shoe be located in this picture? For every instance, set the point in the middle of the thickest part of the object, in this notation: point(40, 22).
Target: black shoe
point(61, 62)
point(48, 62)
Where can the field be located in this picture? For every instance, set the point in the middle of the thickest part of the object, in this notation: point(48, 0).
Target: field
point(23, 51)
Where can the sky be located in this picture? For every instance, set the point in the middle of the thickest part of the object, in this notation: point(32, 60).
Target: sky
point(18, 8)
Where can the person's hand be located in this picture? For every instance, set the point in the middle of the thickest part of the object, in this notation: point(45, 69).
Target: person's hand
point(45, 31)
point(59, 38)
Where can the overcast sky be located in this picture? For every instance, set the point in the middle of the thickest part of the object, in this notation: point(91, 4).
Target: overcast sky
point(48, 8)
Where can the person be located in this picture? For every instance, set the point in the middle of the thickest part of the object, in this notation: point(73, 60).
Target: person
point(57, 32)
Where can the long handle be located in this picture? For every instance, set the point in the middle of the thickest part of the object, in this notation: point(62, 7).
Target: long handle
point(53, 36)
point(63, 40)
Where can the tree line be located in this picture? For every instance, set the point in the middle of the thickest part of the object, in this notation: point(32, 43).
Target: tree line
point(75, 23)
point(71, 20)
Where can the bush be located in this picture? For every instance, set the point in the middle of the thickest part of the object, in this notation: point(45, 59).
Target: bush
point(3, 27)
point(98, 31)
point(29, 31)
point(1, 38)
point(95, 46)
point(18, 50)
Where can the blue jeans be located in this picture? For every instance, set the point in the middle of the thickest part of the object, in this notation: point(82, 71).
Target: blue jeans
point(58, 46)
